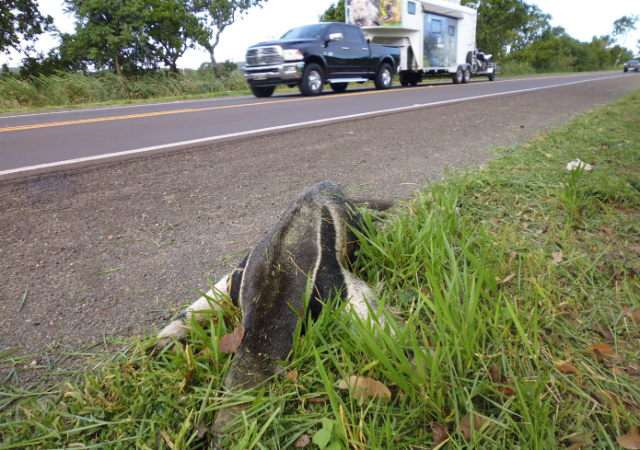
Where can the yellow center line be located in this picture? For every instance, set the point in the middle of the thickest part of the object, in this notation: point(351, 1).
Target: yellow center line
point(244, 105)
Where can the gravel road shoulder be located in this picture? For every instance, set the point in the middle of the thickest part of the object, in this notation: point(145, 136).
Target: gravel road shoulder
point(115, 251)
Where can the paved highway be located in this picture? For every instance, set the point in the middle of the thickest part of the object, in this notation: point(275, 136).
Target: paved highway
point(50, 140)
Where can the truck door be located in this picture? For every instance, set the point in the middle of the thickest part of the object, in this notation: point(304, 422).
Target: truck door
point(358, 51)
point(336, 53)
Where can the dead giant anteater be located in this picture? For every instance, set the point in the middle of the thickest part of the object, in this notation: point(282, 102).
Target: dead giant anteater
point(312, 239)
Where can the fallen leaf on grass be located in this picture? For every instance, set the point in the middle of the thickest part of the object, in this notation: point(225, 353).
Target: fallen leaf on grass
point(365, 387)
point(292, 375)
point(568, 368)
point(600, 328)
point(576, 446)
point(548, 155)
point(507, 390)
point(635, 248)
point(495, 220)
point(202, 430)
point(525, 225)
point(495, 374)
point(605, 229)
point(635, 314)
point(603, 350)
point(617, 371)
point(557, 257)
point(465, 425)
point(513, 255)
point(229, 343)
point(632, 370)
point(302, 441)
point(507, 279)
point(317, 400)
point(631, 440)
point(606, 398)
point(439, 434)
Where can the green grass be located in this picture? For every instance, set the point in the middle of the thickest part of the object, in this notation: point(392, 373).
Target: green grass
point(467, 271)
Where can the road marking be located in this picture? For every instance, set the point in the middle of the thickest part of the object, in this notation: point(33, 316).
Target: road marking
point(283, 127)
point(242, 105)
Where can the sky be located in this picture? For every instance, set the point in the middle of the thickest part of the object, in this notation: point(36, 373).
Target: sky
point(582, 19)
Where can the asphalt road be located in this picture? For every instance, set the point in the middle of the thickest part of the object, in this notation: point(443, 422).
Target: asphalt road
point(46, 141)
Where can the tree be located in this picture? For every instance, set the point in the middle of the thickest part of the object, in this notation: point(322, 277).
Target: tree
point(216, 15)
point(334, 13)
point(21, 22)
point(621, 29)
point(171, 27)
point(110, 32)
point(503, 24)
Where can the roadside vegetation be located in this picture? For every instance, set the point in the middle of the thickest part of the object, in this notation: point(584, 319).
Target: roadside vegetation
point(516, 286)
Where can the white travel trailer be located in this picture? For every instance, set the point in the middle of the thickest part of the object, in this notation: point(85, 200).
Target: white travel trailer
point(436, 37)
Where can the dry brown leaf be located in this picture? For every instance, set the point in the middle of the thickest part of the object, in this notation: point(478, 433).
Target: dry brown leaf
point(635, 248)
point(507, 390)
point(202, 430)
point(605, 229)
point(365, 387)
point(565, 367)
point(632, 370)
point(576, 446)
point(495, 374)
point(229, 343)
point(465, 424)
point(603, 349)
point(557, 257)
point(302, 441)
point(548, 155)
point(293, 375)
point(635, 314)
point(439, 434)
point(513, 255)
point(525, 225)
point(603, 330)
point(495, 220)
point(507, 279)
point(317, 400)
point(606, 398)
point(631, 440)
point(617, 371)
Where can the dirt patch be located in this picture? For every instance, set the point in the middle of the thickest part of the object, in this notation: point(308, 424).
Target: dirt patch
point(115, 251)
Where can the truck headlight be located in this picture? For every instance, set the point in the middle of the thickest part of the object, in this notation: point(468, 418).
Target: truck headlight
point(292, 55)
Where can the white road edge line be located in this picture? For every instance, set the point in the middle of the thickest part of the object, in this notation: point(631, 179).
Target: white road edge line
point(284, 127)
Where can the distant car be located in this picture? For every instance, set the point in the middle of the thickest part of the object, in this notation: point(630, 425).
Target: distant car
point(632, 65)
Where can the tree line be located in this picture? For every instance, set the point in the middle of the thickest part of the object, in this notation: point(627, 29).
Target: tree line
point(514, 31)
point(123, 36)
point(133, 36)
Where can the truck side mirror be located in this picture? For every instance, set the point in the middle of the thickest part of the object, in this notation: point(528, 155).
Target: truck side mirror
point(335, 37)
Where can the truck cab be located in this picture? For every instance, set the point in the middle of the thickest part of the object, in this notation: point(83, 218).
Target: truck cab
point(311, 56)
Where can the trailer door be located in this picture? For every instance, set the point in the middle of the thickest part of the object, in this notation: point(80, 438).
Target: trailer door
point(440, 40)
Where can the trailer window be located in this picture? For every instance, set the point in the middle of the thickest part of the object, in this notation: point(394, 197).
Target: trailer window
point(412, 8)
point(436, 27)
point(452, 30)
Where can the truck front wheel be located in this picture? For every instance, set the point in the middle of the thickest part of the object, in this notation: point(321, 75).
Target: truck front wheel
point(312, 80)
point(263, 91)
point(384, 78)
point(458, 77)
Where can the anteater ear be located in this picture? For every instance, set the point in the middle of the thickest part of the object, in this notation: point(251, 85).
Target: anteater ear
point(375, 205)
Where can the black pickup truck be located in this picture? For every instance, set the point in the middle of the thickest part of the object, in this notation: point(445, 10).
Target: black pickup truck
point(313, 55)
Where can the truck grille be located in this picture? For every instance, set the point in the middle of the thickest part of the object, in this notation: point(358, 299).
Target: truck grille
point(264, 56)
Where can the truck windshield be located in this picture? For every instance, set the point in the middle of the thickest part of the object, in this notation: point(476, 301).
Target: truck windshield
point(307, 32)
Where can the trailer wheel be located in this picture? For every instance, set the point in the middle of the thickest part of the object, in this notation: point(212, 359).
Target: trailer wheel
point(263, 91)
point(458, 77)
point(492, 76)
point(404, 80)
point(312, 80)
point(467, 76)
point(339, 87)
point(415, 80)
point(384, 78)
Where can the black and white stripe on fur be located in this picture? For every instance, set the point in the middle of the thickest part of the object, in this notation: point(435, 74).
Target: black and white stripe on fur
point(310, 239)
